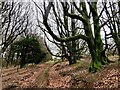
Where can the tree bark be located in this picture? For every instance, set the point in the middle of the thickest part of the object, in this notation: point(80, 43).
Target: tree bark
point(98, 59)
point(71, 60)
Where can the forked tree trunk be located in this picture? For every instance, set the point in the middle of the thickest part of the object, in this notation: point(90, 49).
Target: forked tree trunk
point(72, 44)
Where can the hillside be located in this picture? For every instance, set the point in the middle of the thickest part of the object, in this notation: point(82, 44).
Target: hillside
point(61, 75)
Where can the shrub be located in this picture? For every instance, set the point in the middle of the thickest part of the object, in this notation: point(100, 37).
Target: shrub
point(27, 50)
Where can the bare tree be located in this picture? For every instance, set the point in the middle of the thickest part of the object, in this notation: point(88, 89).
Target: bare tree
point(91, 35)
point(63, 27)
point(112, 11)
point(15, 21)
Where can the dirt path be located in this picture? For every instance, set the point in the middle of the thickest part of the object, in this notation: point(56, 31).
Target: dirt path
point(31, 76)
point(57, 81)
point(41, 80)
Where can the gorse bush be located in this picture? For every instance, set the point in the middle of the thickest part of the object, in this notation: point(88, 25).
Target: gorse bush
point(27, 50)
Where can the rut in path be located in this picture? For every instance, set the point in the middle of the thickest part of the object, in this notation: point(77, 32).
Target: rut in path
point(57, 81)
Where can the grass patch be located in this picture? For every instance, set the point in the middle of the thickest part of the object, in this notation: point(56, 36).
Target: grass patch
point(52, 62)
point(46, 75)
point(80, 65)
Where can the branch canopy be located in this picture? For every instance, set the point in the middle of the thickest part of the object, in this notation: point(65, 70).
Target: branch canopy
point(72, 38)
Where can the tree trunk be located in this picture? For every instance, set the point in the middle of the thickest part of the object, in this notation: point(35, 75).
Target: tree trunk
point(71, 60)
point(98, 56)
point(73, 43)
point(23, 56)
point(117, 41)
point(98, 59)
point(119, 53)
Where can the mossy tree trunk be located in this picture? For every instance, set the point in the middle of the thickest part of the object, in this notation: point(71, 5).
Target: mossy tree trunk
point(94, 42)
point(98, 58)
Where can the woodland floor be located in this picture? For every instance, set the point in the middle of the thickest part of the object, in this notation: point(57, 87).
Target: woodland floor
point(61, 75)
